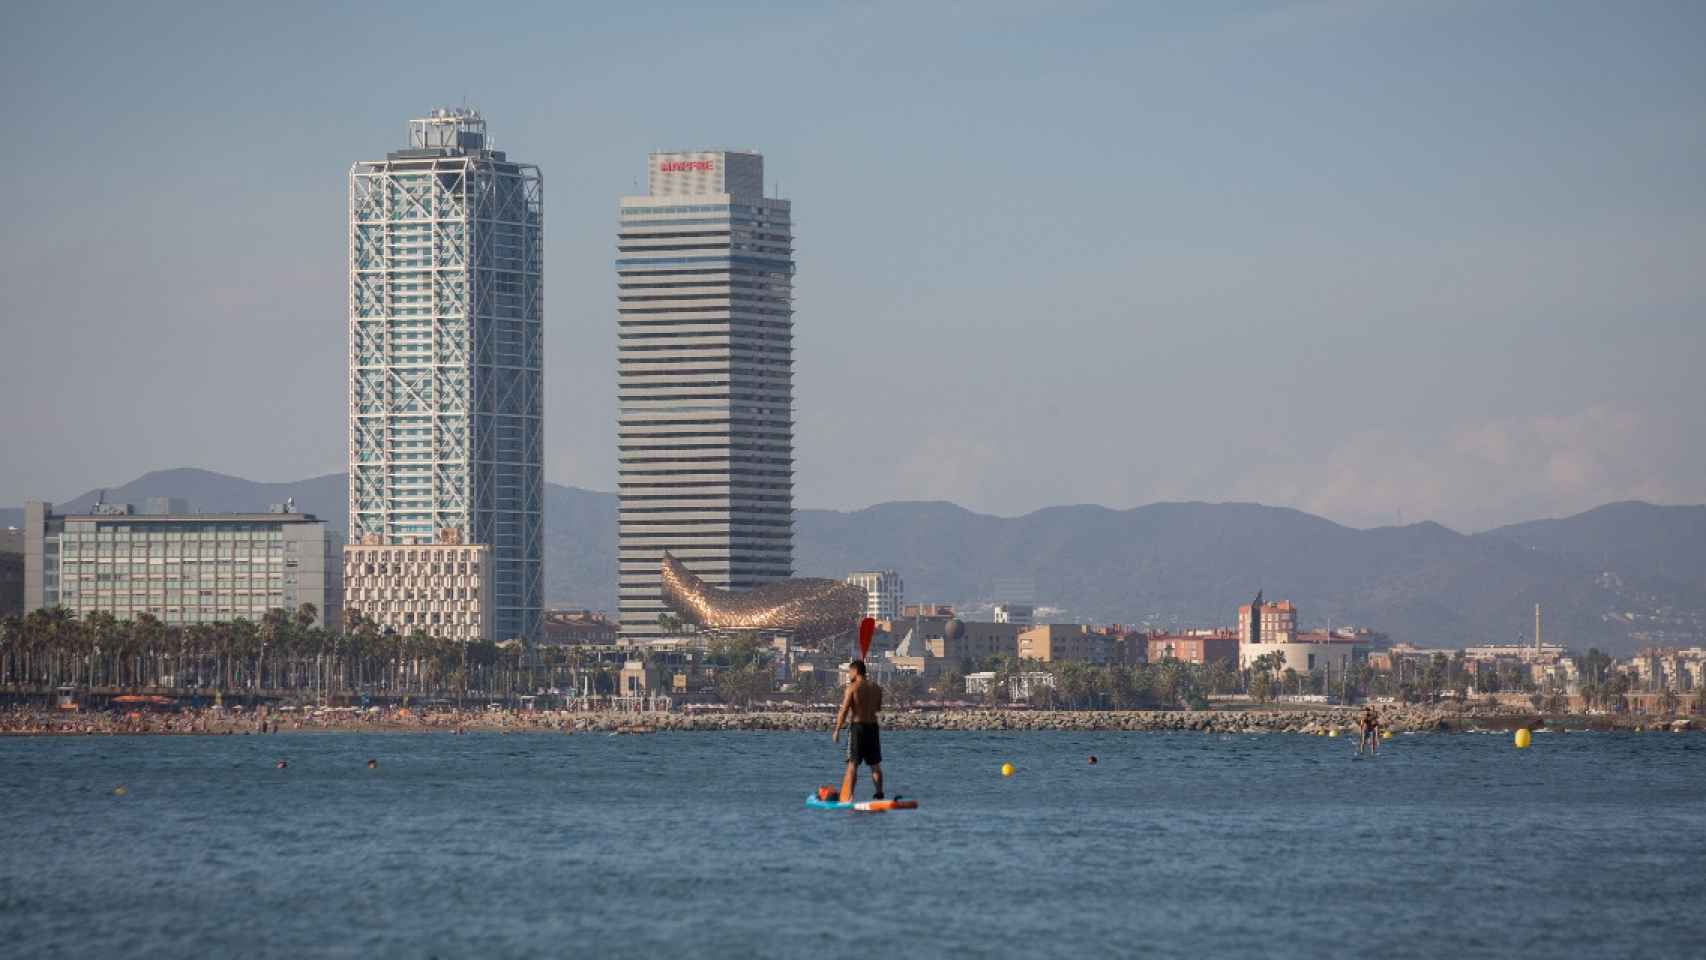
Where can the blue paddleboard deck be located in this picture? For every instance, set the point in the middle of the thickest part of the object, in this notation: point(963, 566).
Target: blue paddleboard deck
point(861, 806)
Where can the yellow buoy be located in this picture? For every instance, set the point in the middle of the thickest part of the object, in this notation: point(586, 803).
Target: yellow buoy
point(1523, 739)
point(120, 791)
point(1385, 734)
point(1333, 732)
point(1007, 769)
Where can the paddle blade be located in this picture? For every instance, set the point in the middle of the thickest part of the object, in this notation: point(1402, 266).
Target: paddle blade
point(867, 627)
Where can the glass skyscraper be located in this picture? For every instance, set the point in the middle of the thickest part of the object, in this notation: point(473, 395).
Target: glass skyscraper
point(705, 380)
point(446, 355)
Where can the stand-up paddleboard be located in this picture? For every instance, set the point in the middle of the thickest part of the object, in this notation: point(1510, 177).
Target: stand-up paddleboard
point(860, 806)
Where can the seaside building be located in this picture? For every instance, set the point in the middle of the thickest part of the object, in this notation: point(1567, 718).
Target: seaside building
point(705, 381)
point(1193, 647)
point(446, 372)
point(958, 641)
point(1306, 653)
point(441, 588)
point(883, 592)
point(578, 627)
point(11, 571)
point(181, 567)
point(942, 610)
point(1064, 641)
point(1019, 687)
point(1523, 652)
point(1274, 622)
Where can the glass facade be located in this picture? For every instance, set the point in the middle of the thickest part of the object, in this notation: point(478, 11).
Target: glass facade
point(446, 355)
point(198, 569)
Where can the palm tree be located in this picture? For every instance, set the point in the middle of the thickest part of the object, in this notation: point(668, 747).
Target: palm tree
point(11, 648)
point(905, 688)
point(147, 636)
point(1221, 677)
point(951, 684)
point(1114, 684)
point(1669, 701)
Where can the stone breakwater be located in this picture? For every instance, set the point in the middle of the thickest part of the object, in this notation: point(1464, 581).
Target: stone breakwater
point(1304, 721)
point(1297, 720)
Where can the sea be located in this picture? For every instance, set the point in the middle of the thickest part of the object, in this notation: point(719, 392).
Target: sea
point(699, 845)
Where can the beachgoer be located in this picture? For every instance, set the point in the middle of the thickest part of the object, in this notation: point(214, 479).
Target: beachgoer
point(859, 706)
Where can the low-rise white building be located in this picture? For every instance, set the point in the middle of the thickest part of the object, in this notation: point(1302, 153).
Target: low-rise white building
point(1019, 687)
point(1308, 653)
point(884, 592)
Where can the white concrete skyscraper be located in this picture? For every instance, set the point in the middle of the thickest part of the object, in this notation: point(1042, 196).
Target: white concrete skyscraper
point(445, 360)
point(705, 380)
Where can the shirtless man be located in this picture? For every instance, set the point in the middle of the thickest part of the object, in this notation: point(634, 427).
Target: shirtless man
point(860, 705)
point(1370, 729)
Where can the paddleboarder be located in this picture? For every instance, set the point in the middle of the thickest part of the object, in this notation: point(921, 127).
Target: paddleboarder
point(1369, 727)
point(859, 705)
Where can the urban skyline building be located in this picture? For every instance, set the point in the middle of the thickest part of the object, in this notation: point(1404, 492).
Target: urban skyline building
point(446, 373)
point(181, 567)
point(442, 589)
point(884, 592)
point(704, 381)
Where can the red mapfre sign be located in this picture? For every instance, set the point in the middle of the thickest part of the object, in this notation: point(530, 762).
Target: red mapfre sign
point(682, 166)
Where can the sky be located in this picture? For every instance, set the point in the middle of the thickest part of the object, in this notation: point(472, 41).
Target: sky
point(1383, 262)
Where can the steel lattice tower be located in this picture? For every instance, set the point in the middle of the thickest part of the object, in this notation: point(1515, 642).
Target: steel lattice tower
point(446, 353)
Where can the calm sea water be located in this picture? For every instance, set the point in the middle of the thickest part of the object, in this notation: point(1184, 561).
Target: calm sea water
point(698, 845)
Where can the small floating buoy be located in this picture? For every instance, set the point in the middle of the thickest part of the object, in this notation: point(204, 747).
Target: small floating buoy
point(1523, 739)
point(1333, 732)
point(1007, 769)
point(120, 791)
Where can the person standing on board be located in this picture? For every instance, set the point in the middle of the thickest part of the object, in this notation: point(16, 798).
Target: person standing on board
point(1369, 727)
point(859, 706)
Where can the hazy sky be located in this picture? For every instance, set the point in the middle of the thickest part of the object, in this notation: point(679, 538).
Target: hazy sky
point(1373, 260)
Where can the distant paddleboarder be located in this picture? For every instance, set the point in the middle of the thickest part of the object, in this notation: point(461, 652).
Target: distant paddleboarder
point(1369, 727)
point(859, 705)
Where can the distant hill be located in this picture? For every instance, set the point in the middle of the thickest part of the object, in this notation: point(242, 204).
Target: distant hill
point(1617, 577)
point(1632, 537)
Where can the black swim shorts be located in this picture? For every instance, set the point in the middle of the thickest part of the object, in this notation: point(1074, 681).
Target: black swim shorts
point(863, 744)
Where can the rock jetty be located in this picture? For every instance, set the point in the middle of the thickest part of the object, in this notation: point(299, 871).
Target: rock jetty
point(1315, 721)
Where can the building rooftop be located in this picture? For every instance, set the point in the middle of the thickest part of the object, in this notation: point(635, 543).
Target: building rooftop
point(195, 517)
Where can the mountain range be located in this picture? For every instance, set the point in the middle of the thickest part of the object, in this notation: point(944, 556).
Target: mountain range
point(1619, 576)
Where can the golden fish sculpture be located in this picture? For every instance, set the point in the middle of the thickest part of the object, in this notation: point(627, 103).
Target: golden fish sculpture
point(808, 609)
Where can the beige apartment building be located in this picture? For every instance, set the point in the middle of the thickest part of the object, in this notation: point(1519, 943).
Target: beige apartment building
point(976, 640)
point(1064, 641)
point(441, 589)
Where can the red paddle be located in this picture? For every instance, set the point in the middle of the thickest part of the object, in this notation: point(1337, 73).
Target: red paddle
point(867, 627)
